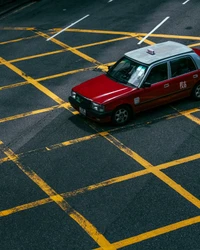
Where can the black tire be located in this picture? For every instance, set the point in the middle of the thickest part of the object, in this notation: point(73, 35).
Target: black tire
point(196, 92)
point(121, 115)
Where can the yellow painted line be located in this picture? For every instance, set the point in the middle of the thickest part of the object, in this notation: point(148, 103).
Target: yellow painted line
point(156, 232)
point(187, 112)
point(74, 193)
point(18, 40)
point(14, 85)
point(106, 32)
point(60, 201)
point(182, 113)
point(167, 180)
point(74, 141)
point(65, 46)
point(35, 83)
point(30, 113)
point(133, 34)
point(17, 28)
point(194, 45)
point(172, 36)
point(19, 84)
point(24, 207)
point(5, 159)
point(178, 161)
point(95, 186)
point(188, 115)
point(192, 118)
point(145, 41)
point(65, 50)
point(37, 56)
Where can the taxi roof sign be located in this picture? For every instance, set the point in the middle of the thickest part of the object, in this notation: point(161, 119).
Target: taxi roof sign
point(151, 51)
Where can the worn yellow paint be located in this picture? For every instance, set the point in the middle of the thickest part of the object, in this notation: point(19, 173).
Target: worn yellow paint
point(59, 200)
point(19, 84)
point(34, 112)
point(17, 28)
point(178, 161)
point(65, 46)
point(192, 118)
point(156, 232)
point(171, 183)
point(34, 83)
point(18, 40)
point(145, 41)
point(194, 45)
point(5, 159)
point(15, 85)
point(64, 50)
point(37, 56)
point(95, 186)
point(105, 32)
point(74, 141)
point(133, 34)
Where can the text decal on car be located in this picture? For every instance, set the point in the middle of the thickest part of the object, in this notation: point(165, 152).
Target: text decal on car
point(183, 85)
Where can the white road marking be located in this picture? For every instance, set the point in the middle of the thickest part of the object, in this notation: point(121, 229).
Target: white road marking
point(186, 2)
point(110, 1)
point(67, 27)
point(153, 30)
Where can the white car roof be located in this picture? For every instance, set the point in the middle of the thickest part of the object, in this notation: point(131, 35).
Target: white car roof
point(158, 52)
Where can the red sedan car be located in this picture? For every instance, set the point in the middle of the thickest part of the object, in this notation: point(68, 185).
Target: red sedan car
point(142, 79)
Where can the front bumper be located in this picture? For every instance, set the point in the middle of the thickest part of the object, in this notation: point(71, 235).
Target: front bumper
point(90, 113)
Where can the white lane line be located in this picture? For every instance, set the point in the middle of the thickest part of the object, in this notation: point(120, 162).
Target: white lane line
point(67, 27)
point(186, 2)
point(153, 30)
point(110, 1)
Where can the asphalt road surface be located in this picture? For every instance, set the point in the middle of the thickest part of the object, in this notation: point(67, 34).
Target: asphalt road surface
point(68, 183)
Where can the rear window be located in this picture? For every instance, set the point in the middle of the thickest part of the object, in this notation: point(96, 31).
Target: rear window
point(182, 66)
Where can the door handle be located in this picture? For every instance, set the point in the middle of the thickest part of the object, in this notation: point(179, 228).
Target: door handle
point(195, 76)
point(166, 85)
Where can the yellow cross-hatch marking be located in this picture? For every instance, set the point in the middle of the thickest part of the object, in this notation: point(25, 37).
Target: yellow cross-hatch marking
point(95, 186)
point(167, 180)
point(65, 46)
point(59, 200)
point(53, 196)
point(155, 232)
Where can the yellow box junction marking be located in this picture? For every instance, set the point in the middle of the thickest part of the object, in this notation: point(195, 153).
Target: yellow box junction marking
point(65, 46)
point(32, 81)
point(114, 141)
point(156, 232)
point(167, 180)
point(59, 200)
point(95, 186)
point(65, 49)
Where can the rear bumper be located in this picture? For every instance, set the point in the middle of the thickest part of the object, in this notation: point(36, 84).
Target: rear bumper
point(90, 113)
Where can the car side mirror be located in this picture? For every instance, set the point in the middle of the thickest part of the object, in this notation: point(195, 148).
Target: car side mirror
point(147, 84)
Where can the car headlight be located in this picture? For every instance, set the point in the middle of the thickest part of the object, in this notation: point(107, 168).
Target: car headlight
point(73, 94)
point(97, 107)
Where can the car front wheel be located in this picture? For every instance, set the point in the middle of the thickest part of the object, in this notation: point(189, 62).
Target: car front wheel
point(196, 92)
point(121, 115)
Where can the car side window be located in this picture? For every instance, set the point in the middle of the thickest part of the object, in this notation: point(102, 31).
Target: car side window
point(158, 73)
point(182, 66)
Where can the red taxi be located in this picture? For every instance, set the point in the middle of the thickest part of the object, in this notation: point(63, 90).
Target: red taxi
point(142, 79)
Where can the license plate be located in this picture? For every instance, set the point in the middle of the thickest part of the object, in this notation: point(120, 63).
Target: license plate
point(82, 111)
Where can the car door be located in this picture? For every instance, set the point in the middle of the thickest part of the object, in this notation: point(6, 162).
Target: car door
point(155, 89)
point(184, 75)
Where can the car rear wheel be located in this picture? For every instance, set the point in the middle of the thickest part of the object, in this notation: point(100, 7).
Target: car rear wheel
point(121, 115)
point(196, 91)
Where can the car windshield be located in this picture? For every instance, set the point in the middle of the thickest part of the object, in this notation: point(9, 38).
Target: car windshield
point(128, 71)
